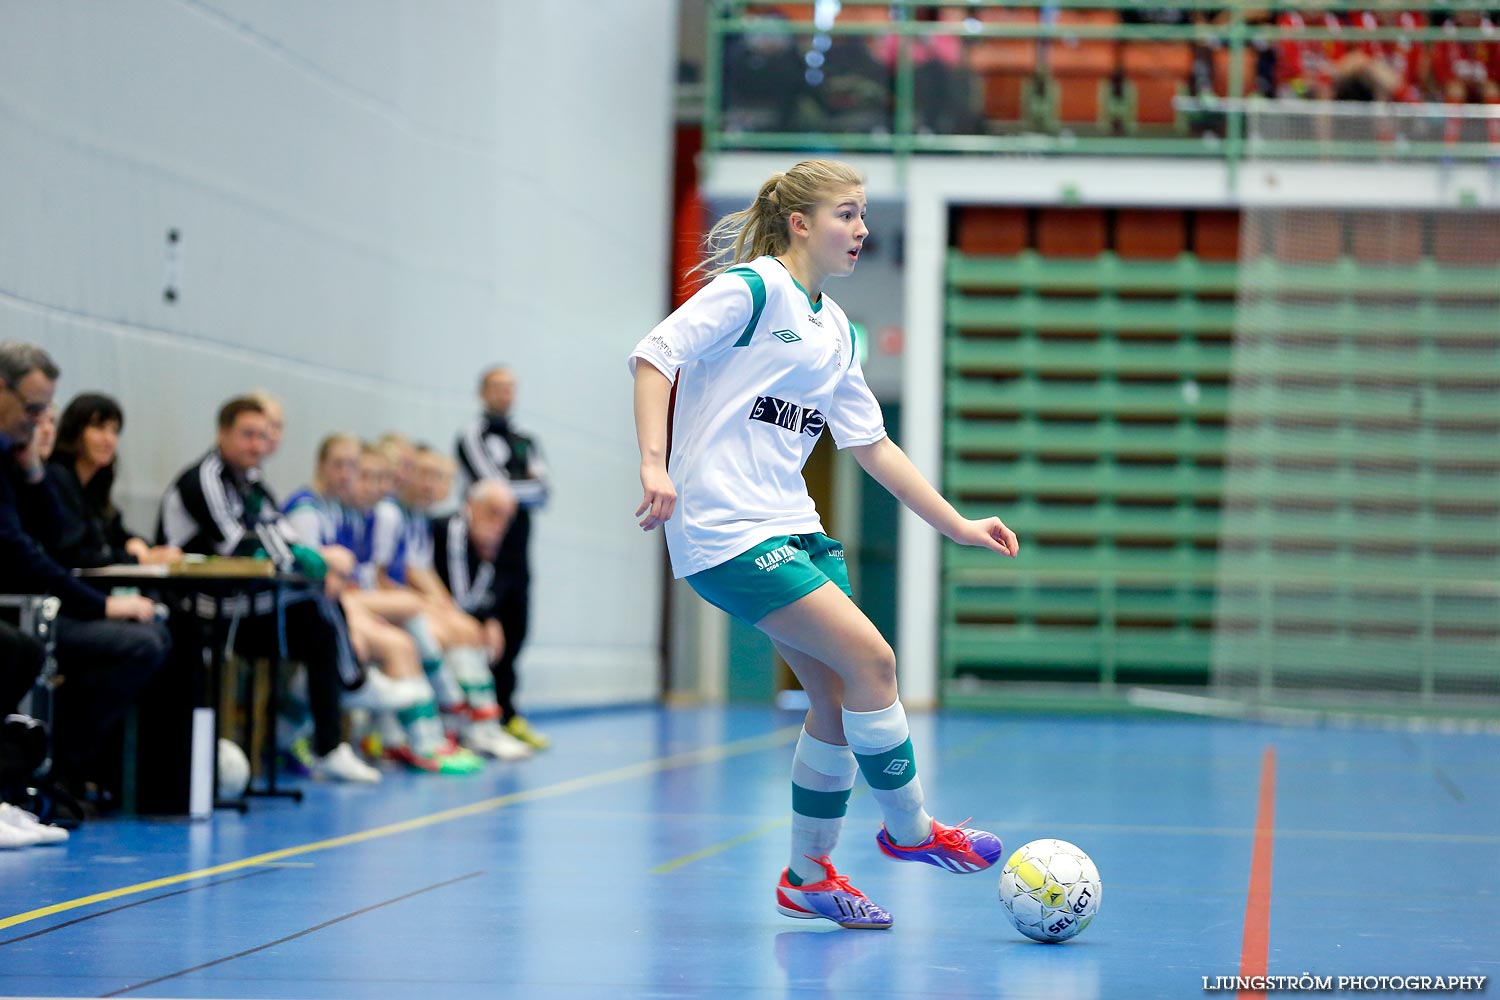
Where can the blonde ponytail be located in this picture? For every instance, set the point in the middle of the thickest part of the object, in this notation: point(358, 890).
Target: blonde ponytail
point(763, 227)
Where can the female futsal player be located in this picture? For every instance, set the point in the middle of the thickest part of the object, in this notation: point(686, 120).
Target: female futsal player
point(764, 361)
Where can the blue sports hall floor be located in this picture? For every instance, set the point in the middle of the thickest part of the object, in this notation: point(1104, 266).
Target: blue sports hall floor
point(637, 859)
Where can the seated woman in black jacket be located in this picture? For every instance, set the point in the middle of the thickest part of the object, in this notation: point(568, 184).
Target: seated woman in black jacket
point(82, 474)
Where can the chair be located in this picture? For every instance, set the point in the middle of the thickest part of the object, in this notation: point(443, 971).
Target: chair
point(1149, 233)
point(1465, 239)
point(1071, 232)
point(1386, 238)
point(1309, 238)
point(34, 616)
point(991, 231)
point(1223, 60)
point(1080, 70)
point(1007, 67)
point(1216, 234)
point(1155, 74)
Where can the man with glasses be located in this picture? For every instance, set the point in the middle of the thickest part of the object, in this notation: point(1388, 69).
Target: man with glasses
point(108, 647)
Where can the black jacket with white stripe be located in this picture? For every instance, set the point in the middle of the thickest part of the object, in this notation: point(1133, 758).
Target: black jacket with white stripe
point(213, 510)
point(469, 577)
point(490, 448)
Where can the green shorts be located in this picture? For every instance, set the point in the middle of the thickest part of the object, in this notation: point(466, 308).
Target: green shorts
point(772, 575)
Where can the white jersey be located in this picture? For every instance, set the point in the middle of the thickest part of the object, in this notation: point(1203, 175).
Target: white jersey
point(761, 370)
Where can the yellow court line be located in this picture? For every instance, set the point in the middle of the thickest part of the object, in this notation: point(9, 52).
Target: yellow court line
point(711, 850)
point(724, 845)
point(962, 750)
point(706, 755)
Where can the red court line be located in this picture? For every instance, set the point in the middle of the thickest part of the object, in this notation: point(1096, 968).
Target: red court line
point(1256, 941)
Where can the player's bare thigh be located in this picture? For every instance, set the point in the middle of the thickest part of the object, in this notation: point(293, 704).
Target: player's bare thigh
point(396, 606)
point(828, 627)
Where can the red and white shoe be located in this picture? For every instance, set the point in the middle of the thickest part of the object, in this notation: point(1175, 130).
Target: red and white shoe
point(831, 899)
point(952, 848)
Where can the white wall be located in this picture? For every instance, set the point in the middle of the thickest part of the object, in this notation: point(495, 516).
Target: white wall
point(376, 198)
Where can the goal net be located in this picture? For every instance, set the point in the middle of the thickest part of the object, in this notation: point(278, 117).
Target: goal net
point(1359, 562)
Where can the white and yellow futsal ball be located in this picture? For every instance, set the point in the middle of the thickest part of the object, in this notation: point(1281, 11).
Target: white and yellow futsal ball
point(1050, 890)
point(234, 770)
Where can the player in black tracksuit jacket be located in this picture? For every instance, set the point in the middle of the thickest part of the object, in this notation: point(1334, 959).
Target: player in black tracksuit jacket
point(220, 506)
point(464, 548)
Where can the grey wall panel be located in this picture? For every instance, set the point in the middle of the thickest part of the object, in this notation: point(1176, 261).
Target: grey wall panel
point(374, 201)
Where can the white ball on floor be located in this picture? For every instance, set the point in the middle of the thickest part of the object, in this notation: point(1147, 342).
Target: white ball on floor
point(234, 770)
point(1050, 889)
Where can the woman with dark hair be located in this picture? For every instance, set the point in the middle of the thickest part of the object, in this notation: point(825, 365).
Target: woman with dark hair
point(82, 473)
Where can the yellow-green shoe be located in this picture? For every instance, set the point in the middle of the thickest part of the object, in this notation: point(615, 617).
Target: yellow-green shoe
point(460, 761)
point(521, 730)
point(454, 760)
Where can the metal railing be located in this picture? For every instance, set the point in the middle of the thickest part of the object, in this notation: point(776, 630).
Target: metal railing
point(1208, 124)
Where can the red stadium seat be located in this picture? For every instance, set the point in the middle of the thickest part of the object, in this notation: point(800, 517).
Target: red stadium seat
point(1150, 233)
point(1082, 67)
point(1216, 235)
point(1465, 241)
point(1309, 237)
point(1005, 65)
point(1156, 72)
point(1070, 232)
point(1222, 63)
point(993, 231)
point(1386, 237)
point(793, 11)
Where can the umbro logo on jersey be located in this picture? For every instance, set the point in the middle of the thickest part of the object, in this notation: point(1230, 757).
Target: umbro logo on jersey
point(897, 767)
point(785, 336)
point(788, 416)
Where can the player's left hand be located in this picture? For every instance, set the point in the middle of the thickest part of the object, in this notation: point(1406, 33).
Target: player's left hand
point(989, 533)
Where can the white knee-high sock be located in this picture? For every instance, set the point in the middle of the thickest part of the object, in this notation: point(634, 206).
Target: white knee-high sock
point(449, 694)
point(822, 777)
point(881, 743)
point(420, 630)
point(471, 668)
point(415, 720)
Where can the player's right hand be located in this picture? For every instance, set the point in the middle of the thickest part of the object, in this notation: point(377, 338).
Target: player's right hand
point(339, 560)
point(659, 497)
point(133, 608)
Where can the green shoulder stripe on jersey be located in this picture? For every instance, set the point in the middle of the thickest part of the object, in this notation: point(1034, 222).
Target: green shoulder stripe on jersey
point(757, 298)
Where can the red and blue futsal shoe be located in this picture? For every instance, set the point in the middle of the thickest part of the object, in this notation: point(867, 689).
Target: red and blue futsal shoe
point(954, 848)
point(832, 899)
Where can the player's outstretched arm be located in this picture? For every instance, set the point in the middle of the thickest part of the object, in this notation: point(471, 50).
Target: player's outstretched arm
point(653, 392)
point(888, 465)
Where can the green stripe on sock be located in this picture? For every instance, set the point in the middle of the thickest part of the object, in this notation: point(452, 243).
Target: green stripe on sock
point(892, 769)
point(424, 710)
point(819, 805)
